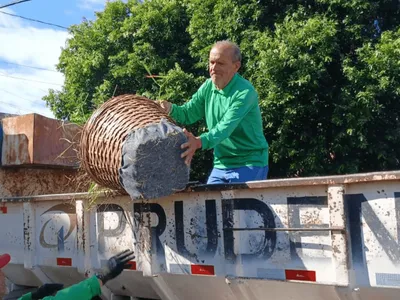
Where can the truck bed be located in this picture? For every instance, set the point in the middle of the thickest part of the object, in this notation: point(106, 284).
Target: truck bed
point(333, 237)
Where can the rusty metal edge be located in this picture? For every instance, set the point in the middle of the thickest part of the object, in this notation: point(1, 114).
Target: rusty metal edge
point(338, 179)
point(193, 187)
point(303, 181)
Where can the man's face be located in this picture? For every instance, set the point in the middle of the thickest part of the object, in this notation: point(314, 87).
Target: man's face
point(221, 65)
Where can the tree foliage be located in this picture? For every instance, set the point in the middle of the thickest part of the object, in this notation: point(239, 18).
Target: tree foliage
point(327, 72)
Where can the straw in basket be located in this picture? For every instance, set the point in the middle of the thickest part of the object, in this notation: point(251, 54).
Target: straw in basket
point(130, 145)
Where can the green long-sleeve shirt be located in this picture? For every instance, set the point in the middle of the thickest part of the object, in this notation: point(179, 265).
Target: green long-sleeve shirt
point(86, 289)
point(234, 122)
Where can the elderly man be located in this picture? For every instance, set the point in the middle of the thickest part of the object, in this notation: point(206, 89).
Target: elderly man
point(229, 104)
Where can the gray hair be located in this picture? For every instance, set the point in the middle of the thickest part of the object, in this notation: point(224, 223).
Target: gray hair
point(236, 54)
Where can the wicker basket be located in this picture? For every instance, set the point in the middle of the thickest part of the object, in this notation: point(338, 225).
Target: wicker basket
point(105, 131)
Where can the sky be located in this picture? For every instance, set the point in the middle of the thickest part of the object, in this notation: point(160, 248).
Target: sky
point(29, 51)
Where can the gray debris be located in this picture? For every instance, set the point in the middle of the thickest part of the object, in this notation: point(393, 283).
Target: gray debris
point(152, 166)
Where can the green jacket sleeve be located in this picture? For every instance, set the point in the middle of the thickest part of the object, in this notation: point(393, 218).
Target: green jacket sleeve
point(27, 296)
point(241, 104)
point(192, 111)
point(82, 290)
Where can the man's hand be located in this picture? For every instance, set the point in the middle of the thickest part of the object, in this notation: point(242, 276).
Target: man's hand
point(116, 265)
point(165, 105)
point(47, 289)
point(192, 144)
